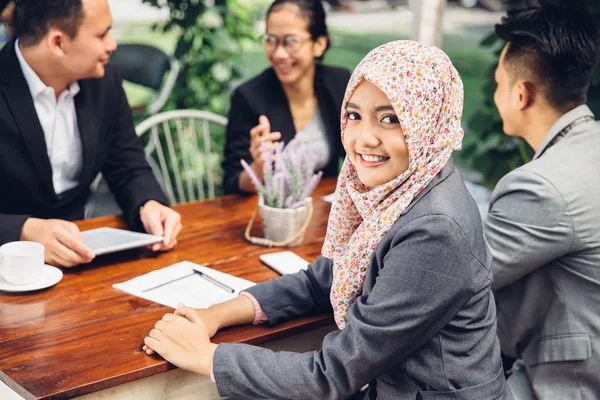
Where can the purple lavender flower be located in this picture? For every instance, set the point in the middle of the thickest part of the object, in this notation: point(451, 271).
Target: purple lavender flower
point(288, 174)
point(288, 202)
point(279, 184)
point(279, 161)
point(253, 177)
point(297, 204)
point(311, 185)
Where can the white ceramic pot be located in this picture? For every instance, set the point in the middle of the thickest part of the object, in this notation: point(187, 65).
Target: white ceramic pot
point(281, 224)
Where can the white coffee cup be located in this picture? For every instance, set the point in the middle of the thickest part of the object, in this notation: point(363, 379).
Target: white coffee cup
point(21, 262)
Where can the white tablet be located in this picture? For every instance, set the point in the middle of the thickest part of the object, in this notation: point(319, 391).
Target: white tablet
point(110, 240)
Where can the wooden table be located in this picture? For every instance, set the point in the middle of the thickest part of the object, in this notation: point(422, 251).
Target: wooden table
point(82, 336)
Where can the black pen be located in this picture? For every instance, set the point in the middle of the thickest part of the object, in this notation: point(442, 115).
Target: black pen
point(215, 282)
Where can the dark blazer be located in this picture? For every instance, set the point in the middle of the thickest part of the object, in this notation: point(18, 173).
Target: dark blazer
point(424, 326)
point(264, 95)
point(109, 144)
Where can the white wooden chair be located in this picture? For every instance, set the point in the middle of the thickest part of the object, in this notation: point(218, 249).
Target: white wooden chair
point(184, 150)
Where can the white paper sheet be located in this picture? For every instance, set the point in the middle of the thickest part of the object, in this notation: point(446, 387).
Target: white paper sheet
point(179, 284)
point(329, 197)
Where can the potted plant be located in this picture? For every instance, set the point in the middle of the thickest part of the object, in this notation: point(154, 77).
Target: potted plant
point(284, 193)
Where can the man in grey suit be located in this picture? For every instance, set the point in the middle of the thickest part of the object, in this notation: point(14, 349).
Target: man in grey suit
point(543, 226)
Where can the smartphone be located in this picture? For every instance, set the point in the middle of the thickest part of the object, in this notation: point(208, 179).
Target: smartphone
point(284, 262)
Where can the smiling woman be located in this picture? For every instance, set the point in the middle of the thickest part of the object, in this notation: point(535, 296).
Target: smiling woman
point(404, 266)
point(296, 97)
point(373, 136)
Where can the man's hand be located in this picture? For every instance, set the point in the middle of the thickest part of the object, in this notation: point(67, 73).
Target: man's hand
point(183, 342)
point(63, 245)
point(162, 221)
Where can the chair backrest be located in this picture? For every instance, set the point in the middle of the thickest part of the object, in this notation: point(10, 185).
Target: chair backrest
point(184, 148)
point(147, 66)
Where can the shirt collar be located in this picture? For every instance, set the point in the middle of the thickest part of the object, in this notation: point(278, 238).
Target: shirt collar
point(564, 121)
point(35, 84)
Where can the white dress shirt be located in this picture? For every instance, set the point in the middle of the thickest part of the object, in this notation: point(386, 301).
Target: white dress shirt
point(59, 123)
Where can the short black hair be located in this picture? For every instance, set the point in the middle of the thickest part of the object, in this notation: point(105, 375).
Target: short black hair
point(556, 48)
point(313, 11)
point(33, 18)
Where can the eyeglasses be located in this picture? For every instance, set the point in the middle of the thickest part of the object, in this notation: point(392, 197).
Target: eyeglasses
point(291, 43)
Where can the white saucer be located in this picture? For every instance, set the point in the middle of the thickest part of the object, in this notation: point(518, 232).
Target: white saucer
point(49, 276)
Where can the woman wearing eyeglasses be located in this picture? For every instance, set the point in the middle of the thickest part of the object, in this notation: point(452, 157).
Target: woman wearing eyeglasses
point(296, 96)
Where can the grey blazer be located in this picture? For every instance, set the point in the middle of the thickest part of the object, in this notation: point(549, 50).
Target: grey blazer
point(424, 326)
point(543, 229)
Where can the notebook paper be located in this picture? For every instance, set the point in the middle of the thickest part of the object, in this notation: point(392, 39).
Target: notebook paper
point(179, 284)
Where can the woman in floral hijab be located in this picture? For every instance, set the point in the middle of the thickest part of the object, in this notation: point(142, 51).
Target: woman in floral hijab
point(426, 94)
point(404, 264)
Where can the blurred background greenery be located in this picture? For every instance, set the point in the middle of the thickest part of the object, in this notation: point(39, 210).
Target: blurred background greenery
point(217, 43)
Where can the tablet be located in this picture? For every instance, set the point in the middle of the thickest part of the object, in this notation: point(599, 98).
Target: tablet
point(110, 240)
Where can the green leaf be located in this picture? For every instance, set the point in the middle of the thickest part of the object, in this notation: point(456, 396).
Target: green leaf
point(221, 72)
point(183, 47)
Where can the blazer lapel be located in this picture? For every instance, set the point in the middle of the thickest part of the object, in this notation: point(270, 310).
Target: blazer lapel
point(440, 177)
point(18, 98)
point(280, 115)
point(328, 107)
point(88, 127)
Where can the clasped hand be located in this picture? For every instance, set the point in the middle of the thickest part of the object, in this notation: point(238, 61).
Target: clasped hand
point(183, 339)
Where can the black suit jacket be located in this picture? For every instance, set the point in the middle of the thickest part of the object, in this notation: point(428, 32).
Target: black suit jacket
point(109, 145)
point(264, 95)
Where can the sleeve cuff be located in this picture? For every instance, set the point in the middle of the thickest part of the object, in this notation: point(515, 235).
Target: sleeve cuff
point(259, 314)
point(212, 371)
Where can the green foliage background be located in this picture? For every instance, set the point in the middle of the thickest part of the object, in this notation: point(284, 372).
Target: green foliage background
point(217, 46)
point(210, 38)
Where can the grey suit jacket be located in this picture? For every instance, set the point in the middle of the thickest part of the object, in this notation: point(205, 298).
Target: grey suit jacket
point(543, 229)
point(424, 326)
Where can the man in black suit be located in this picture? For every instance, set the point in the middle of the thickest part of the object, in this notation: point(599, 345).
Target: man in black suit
point(64, 117)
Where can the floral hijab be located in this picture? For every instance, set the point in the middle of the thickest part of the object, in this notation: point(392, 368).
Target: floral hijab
point(426, 93)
